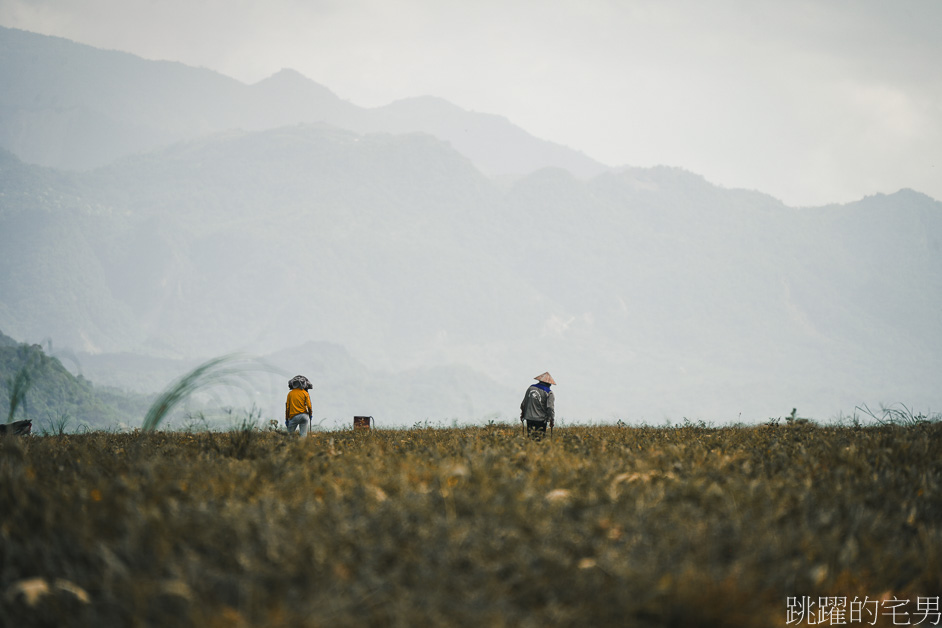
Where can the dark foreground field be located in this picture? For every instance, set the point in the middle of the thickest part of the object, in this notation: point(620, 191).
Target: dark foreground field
point(603, 526)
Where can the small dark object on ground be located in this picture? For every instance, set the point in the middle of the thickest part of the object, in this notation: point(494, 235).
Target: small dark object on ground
point(16, 428)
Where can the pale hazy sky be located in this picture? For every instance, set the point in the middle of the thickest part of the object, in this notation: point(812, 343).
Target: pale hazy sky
point(810, 101)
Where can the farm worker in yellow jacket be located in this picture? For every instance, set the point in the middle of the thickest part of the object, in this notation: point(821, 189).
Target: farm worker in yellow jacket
point(298, 410)
point(539, 405)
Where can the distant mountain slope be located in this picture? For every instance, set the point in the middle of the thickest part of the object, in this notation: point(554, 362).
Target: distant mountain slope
point(54, 399)
point(644, 291)
point(343, 388)
point(492, 142)
point(73, 106)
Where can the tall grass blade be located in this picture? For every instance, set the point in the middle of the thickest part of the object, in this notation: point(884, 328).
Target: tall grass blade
point(19, 386)
point(220, 370)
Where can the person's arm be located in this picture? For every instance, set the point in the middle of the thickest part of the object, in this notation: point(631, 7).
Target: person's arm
point(309, 408)
point(551, 408)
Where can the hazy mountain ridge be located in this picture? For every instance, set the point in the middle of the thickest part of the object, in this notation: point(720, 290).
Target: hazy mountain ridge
point(344, 387)
point(652, 287)
point(74, 106)
point(476, 135)
point(647, 292)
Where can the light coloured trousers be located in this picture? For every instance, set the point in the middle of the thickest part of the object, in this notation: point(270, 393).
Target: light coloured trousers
point(300, 421)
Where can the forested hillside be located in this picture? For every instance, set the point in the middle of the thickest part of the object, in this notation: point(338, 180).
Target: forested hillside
point(53, 399)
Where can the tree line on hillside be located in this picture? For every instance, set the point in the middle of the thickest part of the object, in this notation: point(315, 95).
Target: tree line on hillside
point(36, 386)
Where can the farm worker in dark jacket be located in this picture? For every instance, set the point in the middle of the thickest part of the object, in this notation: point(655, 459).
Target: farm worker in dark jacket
point(298, 410)
point(538, 405)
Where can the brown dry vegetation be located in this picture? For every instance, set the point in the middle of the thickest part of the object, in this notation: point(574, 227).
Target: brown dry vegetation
point(685, 526)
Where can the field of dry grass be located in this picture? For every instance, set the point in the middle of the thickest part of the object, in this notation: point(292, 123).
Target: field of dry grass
point(602, 526)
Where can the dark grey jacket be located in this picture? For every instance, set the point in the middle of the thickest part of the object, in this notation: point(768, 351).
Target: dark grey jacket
point(538, 405)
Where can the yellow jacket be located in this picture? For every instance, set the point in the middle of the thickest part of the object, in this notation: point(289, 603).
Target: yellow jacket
point(299, 402)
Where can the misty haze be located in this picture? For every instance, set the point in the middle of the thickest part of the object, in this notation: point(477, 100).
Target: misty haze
point(422, 263)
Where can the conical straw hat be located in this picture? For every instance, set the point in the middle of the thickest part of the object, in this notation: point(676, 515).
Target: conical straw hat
point(546, 378)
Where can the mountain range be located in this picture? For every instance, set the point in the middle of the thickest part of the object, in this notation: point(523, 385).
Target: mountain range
point(426, 262)
point(67, 105)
